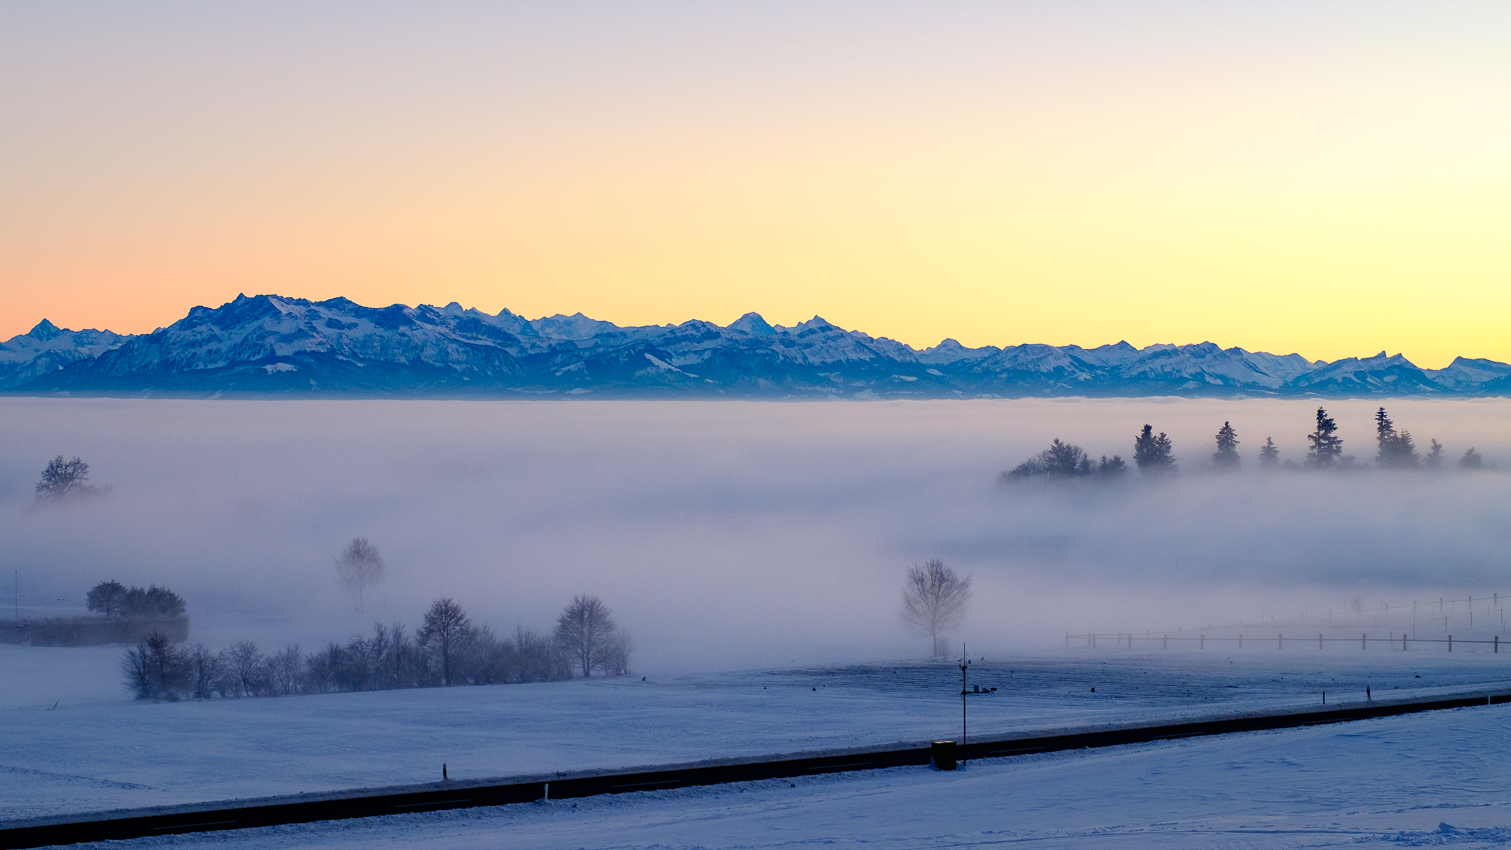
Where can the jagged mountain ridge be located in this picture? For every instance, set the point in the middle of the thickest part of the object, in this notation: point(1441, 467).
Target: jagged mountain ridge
point(47, 348)
point(269, 344)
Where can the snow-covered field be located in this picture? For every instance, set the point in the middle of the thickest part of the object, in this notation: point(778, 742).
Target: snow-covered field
point(1423, 780)
point(76, 743)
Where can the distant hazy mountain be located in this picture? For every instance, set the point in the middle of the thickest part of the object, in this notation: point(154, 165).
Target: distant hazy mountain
point(47, 348)
point(288, 346)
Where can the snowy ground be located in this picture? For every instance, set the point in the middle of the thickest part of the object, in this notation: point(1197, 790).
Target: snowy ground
point(1422, 780)
point(74, 742)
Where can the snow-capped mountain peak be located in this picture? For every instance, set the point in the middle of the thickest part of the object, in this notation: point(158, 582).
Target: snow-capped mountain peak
point(275, 344)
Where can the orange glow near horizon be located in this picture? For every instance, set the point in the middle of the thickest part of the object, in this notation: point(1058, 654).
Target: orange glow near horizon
point(1292, 180)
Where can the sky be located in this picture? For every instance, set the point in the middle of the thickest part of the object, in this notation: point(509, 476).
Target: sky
point(1327, 178)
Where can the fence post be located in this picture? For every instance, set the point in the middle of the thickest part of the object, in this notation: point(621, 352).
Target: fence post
point(1403, 641)
point(1497, 643)
point(1450, 643)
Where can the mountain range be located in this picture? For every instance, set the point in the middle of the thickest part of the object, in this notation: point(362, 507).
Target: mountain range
point(272, 345)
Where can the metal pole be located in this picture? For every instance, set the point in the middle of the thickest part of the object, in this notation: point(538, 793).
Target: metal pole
point(965, 663)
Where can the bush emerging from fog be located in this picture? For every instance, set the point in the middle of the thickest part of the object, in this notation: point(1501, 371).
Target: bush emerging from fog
point(114, 599)
point(448, 649)
point(1063, 461)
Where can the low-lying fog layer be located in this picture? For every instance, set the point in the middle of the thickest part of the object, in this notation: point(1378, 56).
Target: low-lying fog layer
point(738, 534)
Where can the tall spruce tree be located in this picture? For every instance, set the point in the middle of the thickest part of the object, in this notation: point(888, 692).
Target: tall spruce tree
point(1327, 447)
point(1434, 458)
point(1226, 457)
point(1153, 454)
point(1396, 449)
point(1269, 456)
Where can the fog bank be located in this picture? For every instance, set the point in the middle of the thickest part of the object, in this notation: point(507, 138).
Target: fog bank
point(740, 533)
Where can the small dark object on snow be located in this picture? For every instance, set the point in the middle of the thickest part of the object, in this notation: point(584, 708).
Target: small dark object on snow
point(943, 755)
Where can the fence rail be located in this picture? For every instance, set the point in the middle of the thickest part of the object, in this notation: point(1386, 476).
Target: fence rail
point(1120, 639)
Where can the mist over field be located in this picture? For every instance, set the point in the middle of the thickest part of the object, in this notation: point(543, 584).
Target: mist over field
point(727, 534)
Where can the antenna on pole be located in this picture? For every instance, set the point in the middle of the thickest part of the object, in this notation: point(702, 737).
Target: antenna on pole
point(965, 664)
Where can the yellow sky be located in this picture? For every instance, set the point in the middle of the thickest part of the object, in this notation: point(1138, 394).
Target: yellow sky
point(1323, 178)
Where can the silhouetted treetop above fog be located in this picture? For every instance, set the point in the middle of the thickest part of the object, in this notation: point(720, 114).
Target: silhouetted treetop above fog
point(1154, 455)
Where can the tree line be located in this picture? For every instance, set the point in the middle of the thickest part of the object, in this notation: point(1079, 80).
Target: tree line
point(448, 649)
point(113, 599)
point(1153, 455)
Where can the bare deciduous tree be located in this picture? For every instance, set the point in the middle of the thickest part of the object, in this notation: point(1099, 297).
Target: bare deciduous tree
point(934, 598)
point(359, 568)
point(446, 632)
point(64, 479)
point(206, 669)
point(155, 668)
point(245, 667)
point(587, 633)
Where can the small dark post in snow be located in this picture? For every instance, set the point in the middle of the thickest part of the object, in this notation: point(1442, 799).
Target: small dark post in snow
point(1324, 697)
point(1403, 641)
point(1367, 694)
point(1497, 643)
point(942, 753)
point(1450, 643)
point(444, 775)
point(1364, 641)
